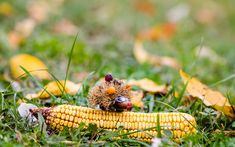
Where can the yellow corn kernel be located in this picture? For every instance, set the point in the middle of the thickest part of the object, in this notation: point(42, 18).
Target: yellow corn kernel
point(66, 111)
point(63, 116)
point(71, 118)
point(61, 122)
point(65, 123)
point(67, 117)
point(70, 124)
point(58, 115)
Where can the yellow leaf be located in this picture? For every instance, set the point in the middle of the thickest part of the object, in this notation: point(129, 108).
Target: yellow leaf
point(209, 97)
point(142, 56)
point(6, 9)
point(136, 98)
point(56, 88)
point(148, 85)
point(32, 64)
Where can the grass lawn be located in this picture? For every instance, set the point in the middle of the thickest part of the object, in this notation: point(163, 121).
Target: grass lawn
point(106, 35)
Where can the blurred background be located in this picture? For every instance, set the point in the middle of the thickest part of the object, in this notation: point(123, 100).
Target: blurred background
point(198, 34)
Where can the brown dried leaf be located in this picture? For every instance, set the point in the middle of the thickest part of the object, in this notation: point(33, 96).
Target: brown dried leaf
point(165, 31)
point(207, 16)
point(136, 98)
point(22, 30)
point(56, 88)
point(148, 85)
point(32, 64)
point(142, 56)
point(65, 27)
point(38, 10)
point(209, 97)
point(15, 39)
point(25, 27)
point(146, 7)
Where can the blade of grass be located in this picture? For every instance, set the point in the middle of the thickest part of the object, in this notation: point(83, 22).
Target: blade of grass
point(59, 84)
point(195, 60)
point(181, 94)
point(223, 80)
point(134, 141)
point(36, 81)
point(69, 62)
point(2, 98)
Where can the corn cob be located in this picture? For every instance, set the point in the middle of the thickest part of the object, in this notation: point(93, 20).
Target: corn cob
point(59, 117)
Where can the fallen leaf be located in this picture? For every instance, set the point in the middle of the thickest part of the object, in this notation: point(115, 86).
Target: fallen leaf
point(205, 16)
point(32, 64)
point(56, 88)
point(65, 27)
point(6, 9)
point(38, 10)
point(209, 97)
point(142, 56)
point(146, 7)
point(15, 39)
point(148, 85)
point(164, 31)
point(22, 30)
point(210, 13)
point(25, 27)
point(136, 98)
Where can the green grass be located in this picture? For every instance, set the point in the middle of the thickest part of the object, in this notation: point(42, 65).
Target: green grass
point(107, 30)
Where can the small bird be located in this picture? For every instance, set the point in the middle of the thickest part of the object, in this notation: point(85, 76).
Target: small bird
point(111, 95)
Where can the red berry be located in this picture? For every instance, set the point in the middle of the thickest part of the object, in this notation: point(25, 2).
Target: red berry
point(108, 77)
